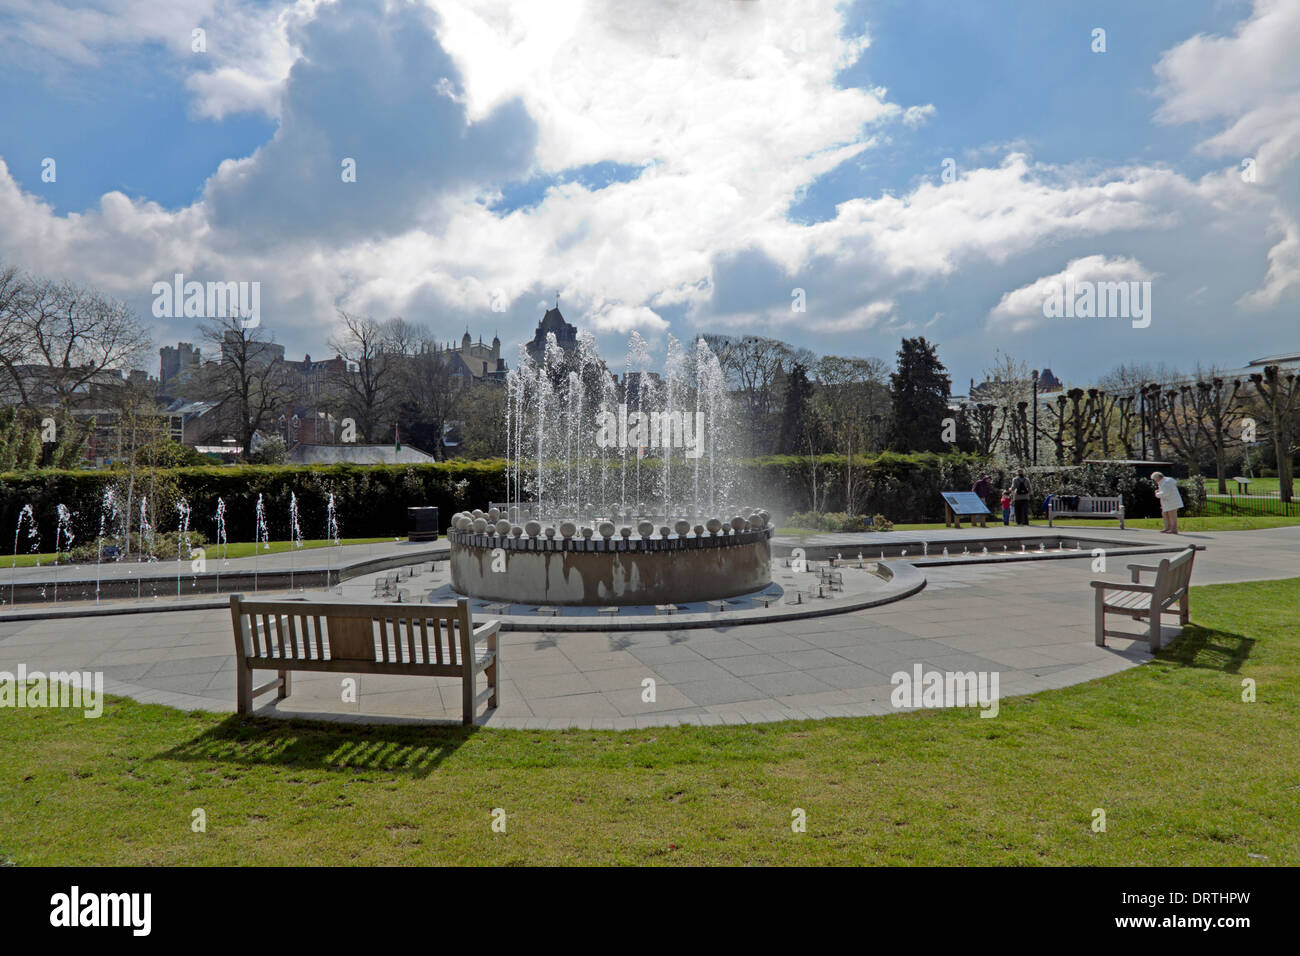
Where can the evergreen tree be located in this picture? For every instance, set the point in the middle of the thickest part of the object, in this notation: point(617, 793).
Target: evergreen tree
point(921, 386)
point(797, 396)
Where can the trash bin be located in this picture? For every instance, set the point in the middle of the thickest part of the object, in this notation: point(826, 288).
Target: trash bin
point(422, 523)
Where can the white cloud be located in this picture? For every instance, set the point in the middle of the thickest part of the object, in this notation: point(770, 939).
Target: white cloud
point(1022, 309)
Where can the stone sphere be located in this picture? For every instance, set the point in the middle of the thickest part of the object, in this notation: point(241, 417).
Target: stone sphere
point(587, 533)
point(463, 523)
point(568, 529)
point(625, 532)
point(738, 523)
point(549, 532)
point(664, 531)
point(645, 528)
point(699, 530)
point(503, 527)
point(606, 529)
point(478, 514)
point(516, 531)
point(714, 525)
point(533, 529)
point(682, 527)
point(766, 516)
point(480, 525)
point(494, 514)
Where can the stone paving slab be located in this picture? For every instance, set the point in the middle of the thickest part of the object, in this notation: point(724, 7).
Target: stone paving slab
point(1031, 622)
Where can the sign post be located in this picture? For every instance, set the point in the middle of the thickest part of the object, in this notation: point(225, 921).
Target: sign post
point(957, 504)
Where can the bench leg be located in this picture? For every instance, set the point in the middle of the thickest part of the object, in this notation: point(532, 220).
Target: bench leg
point(1153, 633)
point(244, 689)
point(1183, 612)
point(492, 672)
point(467, 695)
point(284, 686)
point(1099, 617)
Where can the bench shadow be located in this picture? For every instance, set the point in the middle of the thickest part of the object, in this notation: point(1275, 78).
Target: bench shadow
point(412, 750)
point(1207, 648)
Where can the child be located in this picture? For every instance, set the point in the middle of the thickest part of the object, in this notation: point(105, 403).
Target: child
point(1006, 506)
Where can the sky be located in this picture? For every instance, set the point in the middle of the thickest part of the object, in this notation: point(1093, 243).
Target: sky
point(835, 174)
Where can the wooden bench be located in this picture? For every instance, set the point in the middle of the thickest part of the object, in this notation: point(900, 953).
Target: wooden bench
point(434, 640)
point(1149, 602)
point(1089, 506)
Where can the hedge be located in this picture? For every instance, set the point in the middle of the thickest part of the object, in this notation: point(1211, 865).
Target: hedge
point(371, 500)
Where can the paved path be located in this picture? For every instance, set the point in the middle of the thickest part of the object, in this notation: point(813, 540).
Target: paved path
point(1031, 622)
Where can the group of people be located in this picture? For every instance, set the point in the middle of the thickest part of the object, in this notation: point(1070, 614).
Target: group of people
point(1017, 497)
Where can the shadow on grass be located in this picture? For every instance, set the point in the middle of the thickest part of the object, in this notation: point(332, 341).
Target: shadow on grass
point(1206, 648)
point(258, 741)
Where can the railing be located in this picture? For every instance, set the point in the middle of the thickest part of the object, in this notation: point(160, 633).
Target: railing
point(1253, 506)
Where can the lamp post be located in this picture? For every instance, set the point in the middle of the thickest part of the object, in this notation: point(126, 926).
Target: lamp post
point(1035, 416)
point(1142, 417)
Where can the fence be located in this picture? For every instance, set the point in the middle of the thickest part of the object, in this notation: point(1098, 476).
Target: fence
point(1251, 506)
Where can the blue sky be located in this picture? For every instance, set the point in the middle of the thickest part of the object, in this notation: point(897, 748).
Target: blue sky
point(674, 167)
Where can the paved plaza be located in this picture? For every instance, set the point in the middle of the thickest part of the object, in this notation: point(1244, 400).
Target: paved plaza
point(1029, 621)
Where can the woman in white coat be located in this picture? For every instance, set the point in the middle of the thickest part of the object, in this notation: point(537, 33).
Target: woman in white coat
point(1170, 501)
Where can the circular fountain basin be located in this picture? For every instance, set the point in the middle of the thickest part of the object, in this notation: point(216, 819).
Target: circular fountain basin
point(677, 569)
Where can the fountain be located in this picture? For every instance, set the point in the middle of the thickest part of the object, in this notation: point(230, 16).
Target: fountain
point(590, 461)
point(220, 519)
point(182, 538)
point(332, 534)
point(295, 534)
point(262, 536)
point(62, 540)
point(107, 515)
point(33, 537)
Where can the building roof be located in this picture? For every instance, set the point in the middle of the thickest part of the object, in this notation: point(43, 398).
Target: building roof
point(352, 454)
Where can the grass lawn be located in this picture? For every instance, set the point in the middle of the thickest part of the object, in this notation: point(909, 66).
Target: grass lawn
point(235, 549)
point(1187, 773)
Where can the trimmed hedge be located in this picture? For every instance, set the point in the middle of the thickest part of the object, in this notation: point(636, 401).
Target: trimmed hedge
point(371, 500)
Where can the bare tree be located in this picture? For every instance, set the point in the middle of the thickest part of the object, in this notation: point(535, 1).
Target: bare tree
point(433, 392)
point(367, 386)
point(57, 337)
point(756, 368)
point(851, 391)
point(1279, 394)
point(248, 380)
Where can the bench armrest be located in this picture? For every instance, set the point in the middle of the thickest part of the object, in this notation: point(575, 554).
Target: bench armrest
point(1138, 568)
point(1121, 586)
point(485, 631)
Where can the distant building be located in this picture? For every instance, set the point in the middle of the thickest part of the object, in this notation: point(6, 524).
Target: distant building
point(566, 335)
point(259, 352)
point(309, 379)
point(175, 359)
point(475, 362)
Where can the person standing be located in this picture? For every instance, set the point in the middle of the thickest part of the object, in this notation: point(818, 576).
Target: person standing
point(1006, 507)
point(1020, 489)
point(1170, 501)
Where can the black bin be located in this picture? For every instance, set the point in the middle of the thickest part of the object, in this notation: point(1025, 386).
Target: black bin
point(422, 523)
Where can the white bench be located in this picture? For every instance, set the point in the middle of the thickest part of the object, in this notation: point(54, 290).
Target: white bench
point(1147, 602)
point(436, 640)
point(1089, 506)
